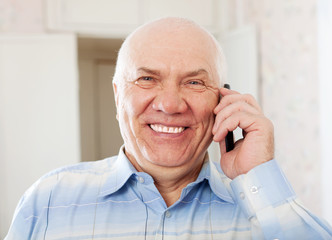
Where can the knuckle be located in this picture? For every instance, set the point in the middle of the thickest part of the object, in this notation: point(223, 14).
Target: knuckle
point(249, 98)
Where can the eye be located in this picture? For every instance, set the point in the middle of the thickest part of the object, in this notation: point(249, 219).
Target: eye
point(146, 82)
point(195, 84)
point(146, 78)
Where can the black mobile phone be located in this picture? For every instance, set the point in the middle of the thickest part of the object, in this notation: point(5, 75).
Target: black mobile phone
point(230, 136)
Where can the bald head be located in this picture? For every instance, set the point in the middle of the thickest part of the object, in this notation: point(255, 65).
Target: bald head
point(166, 88)
point(172, 34)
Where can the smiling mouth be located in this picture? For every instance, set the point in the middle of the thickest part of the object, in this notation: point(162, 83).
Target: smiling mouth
point(165, 129)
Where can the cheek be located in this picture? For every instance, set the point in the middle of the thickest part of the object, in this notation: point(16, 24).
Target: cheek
point(203, 107)
point(133, 102)
point(131, 105)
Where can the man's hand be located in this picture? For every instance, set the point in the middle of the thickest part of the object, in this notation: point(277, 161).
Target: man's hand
point(256, 146)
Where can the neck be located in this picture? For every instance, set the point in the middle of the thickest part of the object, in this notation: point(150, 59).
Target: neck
point(170, 187)
point(170, 180)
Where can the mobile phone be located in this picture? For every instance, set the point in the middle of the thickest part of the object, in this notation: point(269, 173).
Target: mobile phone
point(229, 140)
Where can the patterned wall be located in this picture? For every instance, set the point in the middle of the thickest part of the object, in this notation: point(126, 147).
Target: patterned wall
point(287, 33)
point(18, 16)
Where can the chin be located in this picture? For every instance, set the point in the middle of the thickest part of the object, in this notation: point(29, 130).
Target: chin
point(168, 158)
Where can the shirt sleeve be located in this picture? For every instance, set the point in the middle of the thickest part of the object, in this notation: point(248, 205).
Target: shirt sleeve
point(270, 204)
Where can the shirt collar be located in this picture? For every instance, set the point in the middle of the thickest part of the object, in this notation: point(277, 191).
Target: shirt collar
point(122, 169)
point(218, 182)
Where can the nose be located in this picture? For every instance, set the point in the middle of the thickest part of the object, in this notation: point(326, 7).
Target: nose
point(170, 101)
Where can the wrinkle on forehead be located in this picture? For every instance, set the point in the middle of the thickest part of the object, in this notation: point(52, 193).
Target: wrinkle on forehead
point(172, 35)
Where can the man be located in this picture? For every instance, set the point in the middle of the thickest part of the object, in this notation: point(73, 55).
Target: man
point(170, 106)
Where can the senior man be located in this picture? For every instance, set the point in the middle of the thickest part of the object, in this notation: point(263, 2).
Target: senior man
point(162, 185)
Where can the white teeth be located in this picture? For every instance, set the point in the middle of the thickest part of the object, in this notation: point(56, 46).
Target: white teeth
point(165, 129)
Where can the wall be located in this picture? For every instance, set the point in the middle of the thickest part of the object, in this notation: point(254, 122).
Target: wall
point(287, 33)
point(15, 17)
point(324, 10)
point(39, 119)
point(21, 16)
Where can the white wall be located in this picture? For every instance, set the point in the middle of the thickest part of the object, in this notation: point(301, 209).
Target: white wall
point(39, 121)
point(324, 15)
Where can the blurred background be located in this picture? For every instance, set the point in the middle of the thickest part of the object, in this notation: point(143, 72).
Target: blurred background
point(57, 59)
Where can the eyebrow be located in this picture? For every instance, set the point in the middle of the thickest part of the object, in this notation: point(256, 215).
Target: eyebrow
point(196, 73)
point(148, 70)
point(187, 74)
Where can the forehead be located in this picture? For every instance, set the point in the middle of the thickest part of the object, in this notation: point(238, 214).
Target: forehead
point(183, 49)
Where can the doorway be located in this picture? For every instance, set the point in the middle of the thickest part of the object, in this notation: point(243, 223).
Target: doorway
point(100, 134)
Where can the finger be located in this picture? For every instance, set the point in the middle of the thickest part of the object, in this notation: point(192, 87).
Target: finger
point(232, 98)
point(244, 120)
point(224, 92)
point(225, 126)
point(231, 109)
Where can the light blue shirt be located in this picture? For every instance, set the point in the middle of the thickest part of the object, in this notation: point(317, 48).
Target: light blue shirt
point(109, 199)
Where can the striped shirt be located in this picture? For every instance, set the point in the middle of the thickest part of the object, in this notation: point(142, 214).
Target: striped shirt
point(109, 199)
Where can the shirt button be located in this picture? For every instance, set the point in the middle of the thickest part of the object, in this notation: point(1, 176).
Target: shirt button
point(254, 189)
point(242, 196)
point(168, 214)
point(140, 179)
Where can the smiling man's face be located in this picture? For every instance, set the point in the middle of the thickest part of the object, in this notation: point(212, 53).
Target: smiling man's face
point(166, 98)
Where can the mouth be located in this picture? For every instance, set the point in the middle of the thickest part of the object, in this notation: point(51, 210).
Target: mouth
point(166, 129)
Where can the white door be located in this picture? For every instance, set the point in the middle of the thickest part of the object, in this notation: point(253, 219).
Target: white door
point(100, 133)
point(39, 119)
point(240, 49)
point(109, 132)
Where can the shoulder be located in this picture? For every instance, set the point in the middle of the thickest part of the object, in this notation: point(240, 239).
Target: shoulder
point(58, 190)
point(72, 178)
point(94, 167)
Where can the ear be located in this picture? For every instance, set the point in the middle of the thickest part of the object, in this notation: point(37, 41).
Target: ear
point(116, 98)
